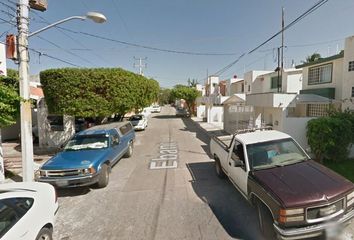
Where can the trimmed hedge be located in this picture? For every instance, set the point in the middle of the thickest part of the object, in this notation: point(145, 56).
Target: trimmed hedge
point(96, 92)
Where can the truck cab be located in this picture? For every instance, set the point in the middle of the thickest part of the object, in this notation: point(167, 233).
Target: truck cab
point(295, 197)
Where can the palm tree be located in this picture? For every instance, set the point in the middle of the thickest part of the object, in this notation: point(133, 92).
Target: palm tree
point(312, 58)
point(192, 83)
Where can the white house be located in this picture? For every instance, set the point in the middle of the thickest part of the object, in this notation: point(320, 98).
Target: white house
point(331, 77)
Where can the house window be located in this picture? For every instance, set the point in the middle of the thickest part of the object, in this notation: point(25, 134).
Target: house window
point(351, 66)
point(320, 74)
point(274, 82)
point(249, 88)
point(317, 110)
point(352, 91)
point(242, 88)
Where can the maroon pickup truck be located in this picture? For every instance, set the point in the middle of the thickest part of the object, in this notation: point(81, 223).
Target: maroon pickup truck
point(295, 197)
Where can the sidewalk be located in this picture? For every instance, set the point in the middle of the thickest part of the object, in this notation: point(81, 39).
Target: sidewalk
point(13, 157)
point(212, 129)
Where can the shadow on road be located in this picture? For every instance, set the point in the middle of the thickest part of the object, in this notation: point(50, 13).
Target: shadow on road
point(165, 116)
point(234, 213)
point(72, 192)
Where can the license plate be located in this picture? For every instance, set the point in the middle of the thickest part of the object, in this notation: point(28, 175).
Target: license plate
point(62, 183)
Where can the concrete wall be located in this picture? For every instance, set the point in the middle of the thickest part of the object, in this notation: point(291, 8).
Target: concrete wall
point(296, 127)
point(250, 77)
point(237, 116)
point(215, 113)
point(49, 138)
point(201, 111)
point(293, 83)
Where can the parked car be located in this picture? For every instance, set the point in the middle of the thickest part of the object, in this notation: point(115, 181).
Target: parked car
point(88, 157)
point(155, 109)
point(295, 197)
point(182, 112)
point(27, 211)
point(139, 121)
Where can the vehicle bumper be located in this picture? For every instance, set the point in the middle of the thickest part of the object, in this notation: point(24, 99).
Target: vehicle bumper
point(70, 182)
point(139, 127)
point(314, 230)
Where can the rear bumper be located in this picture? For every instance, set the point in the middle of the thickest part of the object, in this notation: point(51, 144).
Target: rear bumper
point(139, 127)
point(313, 230)
point(70, 182)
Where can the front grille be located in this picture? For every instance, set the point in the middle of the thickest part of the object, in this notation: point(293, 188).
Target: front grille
point(324, 212)
point(63, 173)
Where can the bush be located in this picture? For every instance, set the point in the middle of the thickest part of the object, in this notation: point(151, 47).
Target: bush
point(330, 137)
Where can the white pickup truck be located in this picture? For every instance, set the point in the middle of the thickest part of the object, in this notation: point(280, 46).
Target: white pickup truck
point(295, 197)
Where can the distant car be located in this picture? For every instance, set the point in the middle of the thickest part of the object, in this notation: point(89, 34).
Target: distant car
point(155, 109)
point(182, 112)
point(27, 211)
point(89, 155)
point(139, 121)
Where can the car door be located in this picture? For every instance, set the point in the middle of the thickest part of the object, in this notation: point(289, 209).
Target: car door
point(238, 174)
point(115, 148)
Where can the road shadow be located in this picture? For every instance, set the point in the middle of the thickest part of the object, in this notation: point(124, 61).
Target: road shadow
point(165, 116)
point(72, 192)
point(235, 214)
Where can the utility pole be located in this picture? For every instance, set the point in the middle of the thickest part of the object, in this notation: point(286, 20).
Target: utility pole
point(25, 109)
point(282, 45)
point(140, 65)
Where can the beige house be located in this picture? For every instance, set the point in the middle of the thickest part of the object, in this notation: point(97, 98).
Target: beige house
point(331, 77)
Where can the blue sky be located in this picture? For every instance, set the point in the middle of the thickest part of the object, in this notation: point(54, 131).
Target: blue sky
point(219, 26)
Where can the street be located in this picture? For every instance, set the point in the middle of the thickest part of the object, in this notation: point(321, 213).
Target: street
point(187, 202)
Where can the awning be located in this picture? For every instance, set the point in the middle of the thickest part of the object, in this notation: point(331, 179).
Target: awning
point(236, 98)
point(313, 99)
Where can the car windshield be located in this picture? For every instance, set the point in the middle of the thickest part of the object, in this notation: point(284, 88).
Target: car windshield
point(87, 143)
point(274, 154)
point(136, 118)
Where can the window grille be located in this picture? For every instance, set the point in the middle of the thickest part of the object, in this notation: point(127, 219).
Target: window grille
point(320, 74)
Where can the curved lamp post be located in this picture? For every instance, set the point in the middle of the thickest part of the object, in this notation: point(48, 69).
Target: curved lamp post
point(94, 16)
point(25, 111)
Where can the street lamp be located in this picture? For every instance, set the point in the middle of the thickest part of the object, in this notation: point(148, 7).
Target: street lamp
point(94, 16)
point(25, 110)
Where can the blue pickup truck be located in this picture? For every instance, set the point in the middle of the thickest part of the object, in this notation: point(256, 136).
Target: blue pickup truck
point(89, 155)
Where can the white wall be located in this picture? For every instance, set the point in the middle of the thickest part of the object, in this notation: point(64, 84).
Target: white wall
point(215, 114)
point(293, 82)
point(3, 69)
point(296, 127)
point(250, 77)
point(201, 111)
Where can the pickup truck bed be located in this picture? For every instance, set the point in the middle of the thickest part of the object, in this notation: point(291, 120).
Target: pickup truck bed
point(223, 141)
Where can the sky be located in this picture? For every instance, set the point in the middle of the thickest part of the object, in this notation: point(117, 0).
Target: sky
point(196, 26)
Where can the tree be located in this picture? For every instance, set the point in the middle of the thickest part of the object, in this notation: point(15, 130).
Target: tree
point(9, 109)
point(165, 96)
point(96, 92)
point(312, 58)
point(189, 94)
point(192, 83)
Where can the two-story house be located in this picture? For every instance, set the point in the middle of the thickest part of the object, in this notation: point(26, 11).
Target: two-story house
point(331, 77)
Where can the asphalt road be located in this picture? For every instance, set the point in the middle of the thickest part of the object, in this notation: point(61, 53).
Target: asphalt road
point(186, 202)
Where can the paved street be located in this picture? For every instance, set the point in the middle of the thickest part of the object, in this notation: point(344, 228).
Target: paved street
point(188, 202)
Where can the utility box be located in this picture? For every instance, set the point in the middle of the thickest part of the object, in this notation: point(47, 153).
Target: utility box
point(40, 5)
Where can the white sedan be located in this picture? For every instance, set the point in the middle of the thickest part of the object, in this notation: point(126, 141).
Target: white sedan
point(27, 211)
point(139, 121)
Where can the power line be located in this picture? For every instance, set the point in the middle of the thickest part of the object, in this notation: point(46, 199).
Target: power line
point(67, 35)
point(9, 22)
point(306, 13)
point(148, 47)
point(65, 50)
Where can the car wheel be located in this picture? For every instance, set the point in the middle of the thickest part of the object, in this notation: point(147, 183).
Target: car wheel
point(129, 152)
point(265, 221)
point(219, 172)
point(103, 178)
point(45, 234)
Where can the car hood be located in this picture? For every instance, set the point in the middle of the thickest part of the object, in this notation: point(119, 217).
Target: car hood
point(74, 159)
point(303, 183)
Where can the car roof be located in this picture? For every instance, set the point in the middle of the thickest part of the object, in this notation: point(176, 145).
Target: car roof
point(102, 129)
point(261, 136)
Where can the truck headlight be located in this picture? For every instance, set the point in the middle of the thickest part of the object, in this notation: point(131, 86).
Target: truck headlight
point(291, 215)
point(90, 170)
point(350, 199)
point(43, 173)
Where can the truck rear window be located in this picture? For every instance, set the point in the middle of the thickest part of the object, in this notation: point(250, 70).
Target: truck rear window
point(274, 153)
point(87, 142)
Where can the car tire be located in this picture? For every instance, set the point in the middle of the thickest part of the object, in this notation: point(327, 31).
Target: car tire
point(129, 152)
point(45, 234)
point(265, 221)
point(218, 169)
point(103, 177)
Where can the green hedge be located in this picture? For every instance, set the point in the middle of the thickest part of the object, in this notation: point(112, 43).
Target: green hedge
point(330, 137)
point(97, 92)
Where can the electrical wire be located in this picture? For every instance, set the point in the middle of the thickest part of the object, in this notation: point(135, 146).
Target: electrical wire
point(306, 13)
point(9, 22)
point(147, 47)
